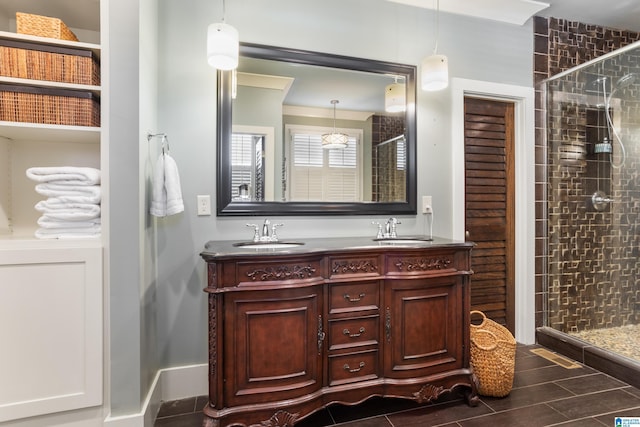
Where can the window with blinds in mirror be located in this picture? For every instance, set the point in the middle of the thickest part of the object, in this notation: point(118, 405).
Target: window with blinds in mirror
point(317, 174)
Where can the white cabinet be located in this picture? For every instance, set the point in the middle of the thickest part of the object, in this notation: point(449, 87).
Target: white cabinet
point(51, 291)
point(50, 328)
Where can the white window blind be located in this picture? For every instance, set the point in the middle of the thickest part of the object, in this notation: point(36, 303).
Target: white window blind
point(242, 158)
point(317, 174)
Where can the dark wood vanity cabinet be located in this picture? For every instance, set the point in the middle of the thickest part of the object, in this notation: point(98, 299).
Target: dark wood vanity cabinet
point(292, 332)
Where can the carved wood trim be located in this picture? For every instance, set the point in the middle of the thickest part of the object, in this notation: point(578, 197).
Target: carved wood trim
point(211, 275)
point(213, 341)
point(282, 272)
point(428, 393)
point(353, 266)
point(423, 264)
point(210, 422)
point(279, 419)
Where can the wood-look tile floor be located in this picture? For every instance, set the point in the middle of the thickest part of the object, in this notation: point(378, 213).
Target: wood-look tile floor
point(543, 394)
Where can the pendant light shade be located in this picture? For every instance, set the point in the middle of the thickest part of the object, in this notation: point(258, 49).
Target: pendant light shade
point(435, 72)
point(222, 46)
point(334, 140)
point(435, 68)
point(394, 98)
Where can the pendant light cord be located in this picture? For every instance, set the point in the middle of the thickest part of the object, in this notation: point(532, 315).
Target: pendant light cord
point(435, 49)
point(224, 10)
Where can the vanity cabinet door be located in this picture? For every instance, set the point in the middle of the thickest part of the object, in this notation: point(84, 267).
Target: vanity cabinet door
point(422, 324)
point(273, 345)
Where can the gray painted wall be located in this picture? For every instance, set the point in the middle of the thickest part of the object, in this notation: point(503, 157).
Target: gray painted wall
point(185, 110)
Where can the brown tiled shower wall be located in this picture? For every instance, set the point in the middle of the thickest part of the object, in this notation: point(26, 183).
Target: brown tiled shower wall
point(389, 181)
point(586, 260)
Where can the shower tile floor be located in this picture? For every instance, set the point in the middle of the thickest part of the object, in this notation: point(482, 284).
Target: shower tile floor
point(623, 340)
point(544, 394)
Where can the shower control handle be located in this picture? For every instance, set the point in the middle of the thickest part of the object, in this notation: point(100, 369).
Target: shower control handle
point(600, 201)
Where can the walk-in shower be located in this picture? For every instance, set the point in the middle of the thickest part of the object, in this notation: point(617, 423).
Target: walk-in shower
point(592, 204)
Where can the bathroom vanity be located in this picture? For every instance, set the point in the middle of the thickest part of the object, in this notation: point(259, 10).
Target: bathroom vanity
point(293, 329)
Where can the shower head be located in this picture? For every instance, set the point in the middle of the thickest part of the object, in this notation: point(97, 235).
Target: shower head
point(626, 80)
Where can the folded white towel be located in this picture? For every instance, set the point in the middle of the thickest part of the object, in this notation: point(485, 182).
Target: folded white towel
point(67, 233)
point(87, 192)
point(45, 222)
point(166, 191)
point(75, 199)
point(46, 206)
point(71, 215)
point(81, 175)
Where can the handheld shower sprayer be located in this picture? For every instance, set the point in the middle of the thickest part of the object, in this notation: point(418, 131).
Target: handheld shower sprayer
point(621, 83)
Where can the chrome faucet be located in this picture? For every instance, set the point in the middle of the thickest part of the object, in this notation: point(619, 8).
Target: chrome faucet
point(268, 233)
point(389, 229)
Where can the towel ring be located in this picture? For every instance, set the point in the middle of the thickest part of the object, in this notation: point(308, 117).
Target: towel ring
point(164, 141)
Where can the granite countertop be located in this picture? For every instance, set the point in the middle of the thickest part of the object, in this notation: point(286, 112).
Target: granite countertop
point(217, 249)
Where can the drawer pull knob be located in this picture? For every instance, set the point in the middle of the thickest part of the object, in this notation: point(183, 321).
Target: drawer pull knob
point(358, 298)
point(356, 335)
point(347, 368)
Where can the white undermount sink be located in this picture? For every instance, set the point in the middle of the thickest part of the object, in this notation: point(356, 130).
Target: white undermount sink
point(267, 245)
point(402, 240)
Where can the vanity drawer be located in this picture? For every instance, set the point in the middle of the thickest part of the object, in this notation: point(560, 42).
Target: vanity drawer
point(355, 266)
point(353, 367)
point(360, 296)
point(411, 264)
point(278, 271)
point(353, 332)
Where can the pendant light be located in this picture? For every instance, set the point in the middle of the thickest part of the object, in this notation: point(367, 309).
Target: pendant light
point(435, 68)
point(334, 140)
point(395, 98)
point(222, 44)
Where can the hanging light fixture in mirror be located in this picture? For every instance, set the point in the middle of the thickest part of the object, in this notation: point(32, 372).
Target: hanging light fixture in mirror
point(394, 97)
point(223, 44)
point(435, 68)
point(334, 139)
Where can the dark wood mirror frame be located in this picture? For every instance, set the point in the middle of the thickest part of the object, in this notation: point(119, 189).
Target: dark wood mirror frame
point(228, 207)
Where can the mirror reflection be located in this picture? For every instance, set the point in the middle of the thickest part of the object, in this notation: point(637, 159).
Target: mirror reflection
point(309, 131)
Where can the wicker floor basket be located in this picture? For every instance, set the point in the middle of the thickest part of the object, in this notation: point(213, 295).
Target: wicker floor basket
point(43, 26)
point(493, 352)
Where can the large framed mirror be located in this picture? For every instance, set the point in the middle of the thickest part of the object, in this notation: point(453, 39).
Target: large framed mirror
point(308, 133)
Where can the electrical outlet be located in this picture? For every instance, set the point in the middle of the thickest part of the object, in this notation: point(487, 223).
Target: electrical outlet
point(427, 206)
point(204, 205)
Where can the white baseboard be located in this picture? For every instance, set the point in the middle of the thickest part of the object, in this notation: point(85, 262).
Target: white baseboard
point(169, 384)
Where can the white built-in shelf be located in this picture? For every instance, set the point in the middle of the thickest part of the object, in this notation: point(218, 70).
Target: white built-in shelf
point(46, 132)
point(30, 242)
point(95, 48)
point(49, 84)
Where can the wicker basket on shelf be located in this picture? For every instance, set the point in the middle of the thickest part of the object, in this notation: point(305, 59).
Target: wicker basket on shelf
point(493, 351)
point(43, 26)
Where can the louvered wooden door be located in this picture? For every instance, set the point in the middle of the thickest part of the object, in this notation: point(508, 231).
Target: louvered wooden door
point(489, 206)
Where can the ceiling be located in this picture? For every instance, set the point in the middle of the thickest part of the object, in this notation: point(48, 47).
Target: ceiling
point(620, 14)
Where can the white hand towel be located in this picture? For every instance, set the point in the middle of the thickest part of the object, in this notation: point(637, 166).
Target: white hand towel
point(93, 192)
point(84, 176)
point(172, 185)
point(166, 192)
